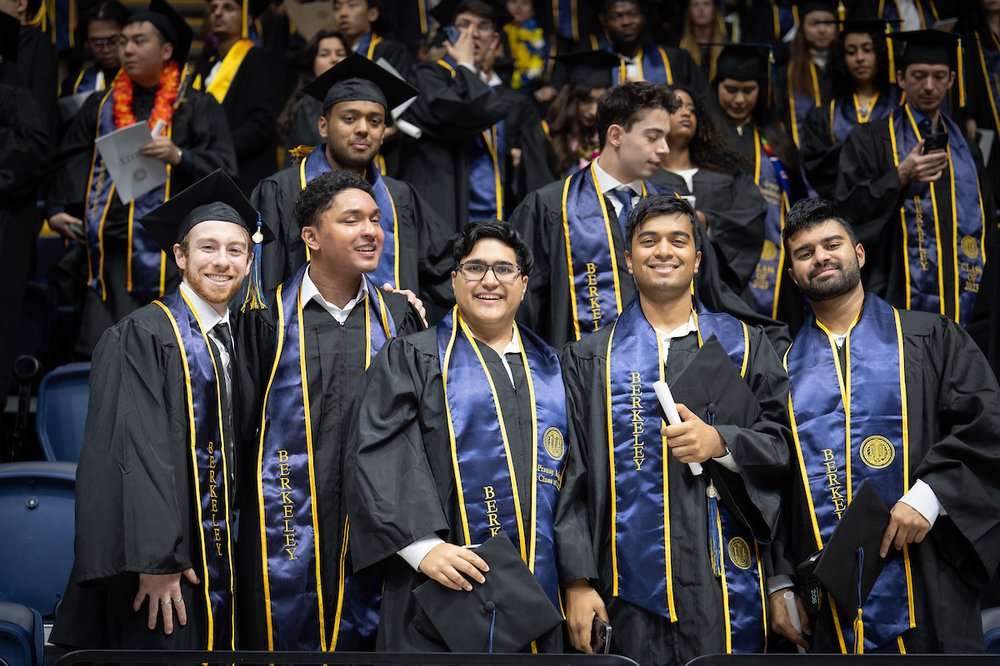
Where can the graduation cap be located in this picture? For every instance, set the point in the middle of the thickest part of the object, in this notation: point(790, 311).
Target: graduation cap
point(171, 25)
point(504, 614)
point(590, 69)
point(872, 27)
point(744, 62)
point(215, 197)
point(446, 11)
point(358, 78)
point(10, 30)
point(928, 47)
point(807, 6)
point(853, 547)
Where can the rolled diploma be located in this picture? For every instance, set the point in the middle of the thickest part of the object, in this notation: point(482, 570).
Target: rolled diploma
point(673, 418)
point(793, 615)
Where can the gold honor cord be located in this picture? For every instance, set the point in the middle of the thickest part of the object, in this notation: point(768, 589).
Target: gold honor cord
point(375, 41)
point(107, 205)
point(864, 117)
point(490, 139)
point(980, 51)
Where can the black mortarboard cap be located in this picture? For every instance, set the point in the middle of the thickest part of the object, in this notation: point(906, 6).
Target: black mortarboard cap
point(590, 69)
point(511, 593)
point(214, 197)
point(446, 11)
point(861, 527)
point(927, 47)
point(806, 6)
point(744, 62)
point(171, 25)
point(869, 26)
point(10, 37)
point(358, 78)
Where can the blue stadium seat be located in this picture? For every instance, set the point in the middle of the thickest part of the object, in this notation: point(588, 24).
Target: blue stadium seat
point(62, 411)
point(36, 532)
point(21, 635)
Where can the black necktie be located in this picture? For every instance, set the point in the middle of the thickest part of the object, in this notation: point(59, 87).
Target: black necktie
point(925, 128)
point(625, 197)
point(221, 331)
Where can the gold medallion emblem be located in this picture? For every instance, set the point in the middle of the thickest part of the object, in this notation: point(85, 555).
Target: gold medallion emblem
point(877, 452)
point(739, 552)
point(769, 252)
point(970, 247)
point(257, 237)
point(554, 444)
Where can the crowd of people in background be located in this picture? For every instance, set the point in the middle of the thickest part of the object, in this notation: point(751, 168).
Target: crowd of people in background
point(595, 176)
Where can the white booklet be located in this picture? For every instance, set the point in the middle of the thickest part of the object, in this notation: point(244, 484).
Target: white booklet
point(133, 174)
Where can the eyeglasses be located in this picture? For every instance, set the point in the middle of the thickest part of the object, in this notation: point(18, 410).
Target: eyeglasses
point(483, 28)
point(475, 271)
point(100, 43)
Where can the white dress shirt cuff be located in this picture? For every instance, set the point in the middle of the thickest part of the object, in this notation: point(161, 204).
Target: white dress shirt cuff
point(922, 498)
point(729, 462)
point(415, 553)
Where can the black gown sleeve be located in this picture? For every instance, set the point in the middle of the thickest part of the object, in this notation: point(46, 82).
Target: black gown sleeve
point(392, 497)
point(962, 466)
point(25, 143)
point(532, 220)
point(269, 199)
point(868, 188)
point(820, 153)
point(734, 227)
point(205, 140)
point(452, 108)
point(132, 479)
point(73, 159)
point(435, 260)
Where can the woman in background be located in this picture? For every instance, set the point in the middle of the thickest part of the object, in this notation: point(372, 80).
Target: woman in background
point(297, 122)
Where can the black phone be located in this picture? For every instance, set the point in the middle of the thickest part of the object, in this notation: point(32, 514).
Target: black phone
point(600, 636)
point(452, 33)
point(936, 142)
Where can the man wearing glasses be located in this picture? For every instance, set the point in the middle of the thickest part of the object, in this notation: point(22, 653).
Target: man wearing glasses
point(461, 437)
point(104, 32)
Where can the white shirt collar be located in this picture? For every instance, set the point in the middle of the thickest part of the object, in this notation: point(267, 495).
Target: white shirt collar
point(311, 293)
point(679, 332)
point(606, 182)
point(207, 315)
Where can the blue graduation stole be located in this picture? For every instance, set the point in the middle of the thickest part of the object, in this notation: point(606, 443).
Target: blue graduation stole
point(316, 164)
point(784, 18)
point(654, 65)
point(850, 425)
point(845, 113)
point(209, 466)
point(488, 494)
point(988, 59)
point(890, 13)
point(923, 227)
point(293, 588)
point(771, 178)
point(87, 80)
point(146, 269)
point(591, 255)
point(640, 507)
point(366, 45)
point(566, 19)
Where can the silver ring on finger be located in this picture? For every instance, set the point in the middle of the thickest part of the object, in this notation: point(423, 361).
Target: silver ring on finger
point(166, 602)
point(178, 600)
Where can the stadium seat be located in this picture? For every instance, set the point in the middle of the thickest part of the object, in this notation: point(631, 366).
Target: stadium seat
point(991, 630)
point(36, 532)
point(21, 635)
point(62, 411)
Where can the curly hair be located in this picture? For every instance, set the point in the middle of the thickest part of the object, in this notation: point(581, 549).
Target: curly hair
point(474, 232)
point(623, 105)
point(319, 194)
point(709, 149)
point(842, 83)
point(564, 125)
point(809, 213)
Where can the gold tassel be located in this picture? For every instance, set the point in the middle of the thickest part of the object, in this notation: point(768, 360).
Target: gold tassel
point(892, 57)
point(961, 77)
point(299, 153)
point(859, 634)
point(841, 11)
point(244, 29)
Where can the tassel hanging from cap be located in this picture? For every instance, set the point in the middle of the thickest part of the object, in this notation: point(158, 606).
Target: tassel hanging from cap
point(859, 625)
point(254, 299)
point(841, 11)
point(959, 63)
point(299, 153)
point(715, 551)
point(889, 51)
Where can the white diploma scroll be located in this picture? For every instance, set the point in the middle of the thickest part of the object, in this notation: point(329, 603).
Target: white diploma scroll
point(673, 418)
point(793, 614)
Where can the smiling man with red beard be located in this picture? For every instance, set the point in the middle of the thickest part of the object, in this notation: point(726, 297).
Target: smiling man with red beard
point(156, 479)
point(312, 348)
point(466, 415)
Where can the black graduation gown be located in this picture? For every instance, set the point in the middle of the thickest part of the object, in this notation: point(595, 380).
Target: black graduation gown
point(870, 197)
point(199, 129)
point(335, 362)
point(451, 111)
point(796, 123)
point(424, 242)
point(136, 510)
point(952, 401)
point(252, 105)
point(25, 154)
point(548, 306)
point(735, 212)
point(761, 452)
point(396, 55)
point(36, 70)
point(403, 482)
point(302, 131)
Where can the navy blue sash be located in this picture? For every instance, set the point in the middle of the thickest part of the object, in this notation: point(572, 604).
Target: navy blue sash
point(849, 425)
point(640, 520)
point(87, 81)
point(210, 467)
point(316, 164)
point(591, 255)
point(785, 17)
point(146, 264)
point(654, 64)
point(799, 104)
point(566, 19)
point(845, 114)
point(923, 228)
point(771, 178)
point(488, 495)
point(890, 13)
point(293, 586)
point(366, 45)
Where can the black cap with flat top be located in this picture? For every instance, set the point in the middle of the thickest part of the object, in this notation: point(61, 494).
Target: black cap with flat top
point(861, 527)
point(358, 78)
point(927, 47)
point(807, 6)
point(744, 62)
point(446, 11)
point(507, 612)
point(214, 197)
point(170, 24)
point(590, 69)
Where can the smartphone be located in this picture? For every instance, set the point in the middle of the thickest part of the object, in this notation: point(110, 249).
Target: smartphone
point(452, 33)
point(77, 229)
point(936, 142)
point(600, 636)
